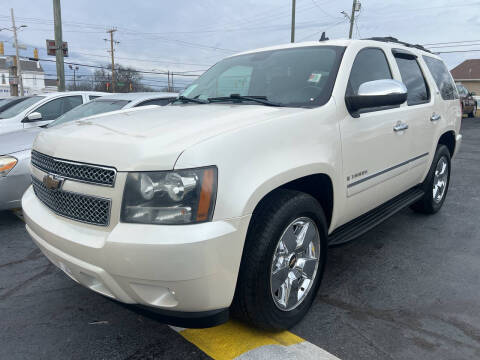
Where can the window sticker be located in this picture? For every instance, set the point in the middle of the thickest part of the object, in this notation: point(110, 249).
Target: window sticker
point(314, 78)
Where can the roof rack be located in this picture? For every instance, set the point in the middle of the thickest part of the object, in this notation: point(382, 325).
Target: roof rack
point(395, 40)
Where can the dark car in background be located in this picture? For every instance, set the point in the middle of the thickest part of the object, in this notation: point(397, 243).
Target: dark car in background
point(469, 104)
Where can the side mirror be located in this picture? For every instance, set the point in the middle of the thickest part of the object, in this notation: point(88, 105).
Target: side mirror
point(473, 93)
point(32, 117)
point(377, 93)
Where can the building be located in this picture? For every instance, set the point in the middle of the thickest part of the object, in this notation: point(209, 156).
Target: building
point(468, 73)
point(50, 85)
point(32, 73)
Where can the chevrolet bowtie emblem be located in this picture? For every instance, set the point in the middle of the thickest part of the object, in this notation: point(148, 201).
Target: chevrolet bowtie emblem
point(52, 182)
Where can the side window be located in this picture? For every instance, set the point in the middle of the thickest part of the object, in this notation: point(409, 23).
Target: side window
point(159, 102)
point(71, 102)
point(369, 65)
point(53, 109)
point(442, 78)
point(91, 97)
point(413, 79)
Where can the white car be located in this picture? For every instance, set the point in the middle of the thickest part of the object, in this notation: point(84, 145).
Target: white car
point(42, 109)
point(229, 197)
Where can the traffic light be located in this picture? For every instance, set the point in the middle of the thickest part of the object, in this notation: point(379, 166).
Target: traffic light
point(35, 54)
point(2, 50)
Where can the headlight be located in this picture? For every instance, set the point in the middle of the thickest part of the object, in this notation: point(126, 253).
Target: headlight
point(7, 163)
point(170, 197)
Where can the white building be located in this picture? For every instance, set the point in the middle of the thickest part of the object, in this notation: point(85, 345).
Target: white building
point(32, 73)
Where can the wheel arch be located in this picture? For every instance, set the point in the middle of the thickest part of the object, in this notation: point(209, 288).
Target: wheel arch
point(318, 185)
point(448, 139)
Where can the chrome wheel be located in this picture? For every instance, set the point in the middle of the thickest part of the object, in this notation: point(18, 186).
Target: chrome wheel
point(440, 180)
point(295, 263)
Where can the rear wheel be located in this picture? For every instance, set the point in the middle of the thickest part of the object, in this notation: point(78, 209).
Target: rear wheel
point(283, 261)
point(436, 183)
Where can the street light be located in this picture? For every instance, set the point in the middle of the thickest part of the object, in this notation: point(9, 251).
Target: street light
point(74, 68)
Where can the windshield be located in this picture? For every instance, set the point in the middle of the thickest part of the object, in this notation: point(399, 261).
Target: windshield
point(94, 107)
point(301, 76)
point(21, 106)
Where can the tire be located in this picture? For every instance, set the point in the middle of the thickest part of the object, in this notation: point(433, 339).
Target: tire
point(429, 203)
point(473, 112)
point(279, 214)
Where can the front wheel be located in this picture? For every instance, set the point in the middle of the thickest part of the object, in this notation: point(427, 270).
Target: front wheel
point(283, 261)
point(436, 183)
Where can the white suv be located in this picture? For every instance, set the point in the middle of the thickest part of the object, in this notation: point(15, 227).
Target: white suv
point(228, 198)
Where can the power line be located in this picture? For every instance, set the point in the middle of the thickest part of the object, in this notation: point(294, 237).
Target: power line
point(457, 51)
point(322, 10)
point(449, 46)
point(107, 68)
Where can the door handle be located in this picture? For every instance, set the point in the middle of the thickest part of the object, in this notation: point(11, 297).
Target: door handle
point(435, 117)
point(400, 127)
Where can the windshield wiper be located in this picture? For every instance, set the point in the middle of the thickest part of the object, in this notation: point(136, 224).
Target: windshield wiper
point(259, 99)
point(185, 99)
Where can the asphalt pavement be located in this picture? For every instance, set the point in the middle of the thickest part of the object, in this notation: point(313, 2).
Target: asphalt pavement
point(408, 289)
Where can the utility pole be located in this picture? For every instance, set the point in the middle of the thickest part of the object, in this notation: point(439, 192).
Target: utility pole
point(112, 50)
point(19, 64)
point(57, 21)
point(292, 35)
point(352, 18)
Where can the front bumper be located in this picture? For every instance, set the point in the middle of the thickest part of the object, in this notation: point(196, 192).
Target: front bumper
point(189, 268)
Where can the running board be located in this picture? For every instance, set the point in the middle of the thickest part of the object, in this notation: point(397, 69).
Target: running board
point(365, 222)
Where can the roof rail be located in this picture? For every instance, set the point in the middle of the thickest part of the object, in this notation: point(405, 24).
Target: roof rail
point(395, 40)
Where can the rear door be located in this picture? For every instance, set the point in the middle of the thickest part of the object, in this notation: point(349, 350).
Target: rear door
point(375, 156)
point(422, 105)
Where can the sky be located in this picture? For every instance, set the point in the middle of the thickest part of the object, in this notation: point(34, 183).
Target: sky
point(189, 36)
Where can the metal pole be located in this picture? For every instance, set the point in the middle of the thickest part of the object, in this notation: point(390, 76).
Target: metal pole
point(292, 35)
point(19, 65)
point(57, 20)
point(352, 19)
point(111, 31)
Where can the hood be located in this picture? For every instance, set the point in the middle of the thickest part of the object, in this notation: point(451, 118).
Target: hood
point(16, 141)
point(150, 139)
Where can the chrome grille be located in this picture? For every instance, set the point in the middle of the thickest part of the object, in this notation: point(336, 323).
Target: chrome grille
point(76, 171)
point(83, 208)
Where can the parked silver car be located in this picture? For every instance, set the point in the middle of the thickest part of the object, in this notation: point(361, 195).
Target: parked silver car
point(15, 146)
point(15, 166)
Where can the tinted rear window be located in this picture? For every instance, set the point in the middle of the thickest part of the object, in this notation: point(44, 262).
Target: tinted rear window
point(442, 78)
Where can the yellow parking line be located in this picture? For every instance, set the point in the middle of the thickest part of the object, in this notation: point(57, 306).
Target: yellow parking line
point(232, 339)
